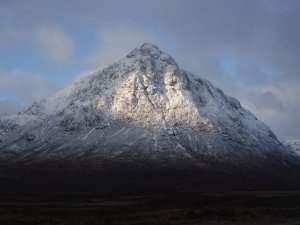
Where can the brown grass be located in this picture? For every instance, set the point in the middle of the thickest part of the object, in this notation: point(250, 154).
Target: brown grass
point(179, 208)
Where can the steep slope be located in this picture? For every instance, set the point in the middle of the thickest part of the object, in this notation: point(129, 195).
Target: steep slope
point(142, 107)
point(142, 123)
point(294, 145)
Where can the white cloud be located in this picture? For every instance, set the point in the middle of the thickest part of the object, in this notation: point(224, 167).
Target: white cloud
point(26, 87)
point(116, 41)
point(83, 75)
point(54, 43)
point(10, 106)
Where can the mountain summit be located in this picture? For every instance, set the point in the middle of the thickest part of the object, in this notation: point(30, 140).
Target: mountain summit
point(142, 109)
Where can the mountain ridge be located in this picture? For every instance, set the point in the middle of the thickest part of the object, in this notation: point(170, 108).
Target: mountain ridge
point(142, 123)
point(143, 112)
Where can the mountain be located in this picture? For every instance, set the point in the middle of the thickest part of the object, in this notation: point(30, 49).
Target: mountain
point(143, 111)
point(294, 145)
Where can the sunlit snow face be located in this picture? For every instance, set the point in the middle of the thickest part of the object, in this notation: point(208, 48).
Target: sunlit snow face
point(101, 105)
point(149, 102)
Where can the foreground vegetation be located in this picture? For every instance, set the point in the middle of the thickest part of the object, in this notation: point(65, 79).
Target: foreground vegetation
point(151, 208)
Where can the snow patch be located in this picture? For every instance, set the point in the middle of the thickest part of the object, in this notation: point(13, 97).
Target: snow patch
point(86, 136)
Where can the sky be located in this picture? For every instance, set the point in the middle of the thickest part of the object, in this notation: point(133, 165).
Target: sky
point(250, 49)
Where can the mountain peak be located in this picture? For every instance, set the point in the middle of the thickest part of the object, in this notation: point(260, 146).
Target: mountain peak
point(144, 110)
point(147, 46)
point(144, 99)
point(148, 58)
point(146, 50)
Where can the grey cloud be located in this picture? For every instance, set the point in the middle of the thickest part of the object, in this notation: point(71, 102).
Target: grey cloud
point(268, 100)
point(277, 104)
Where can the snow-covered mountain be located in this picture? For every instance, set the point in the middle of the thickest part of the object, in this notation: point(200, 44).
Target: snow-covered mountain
point(142, 107)
point(294, 145)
